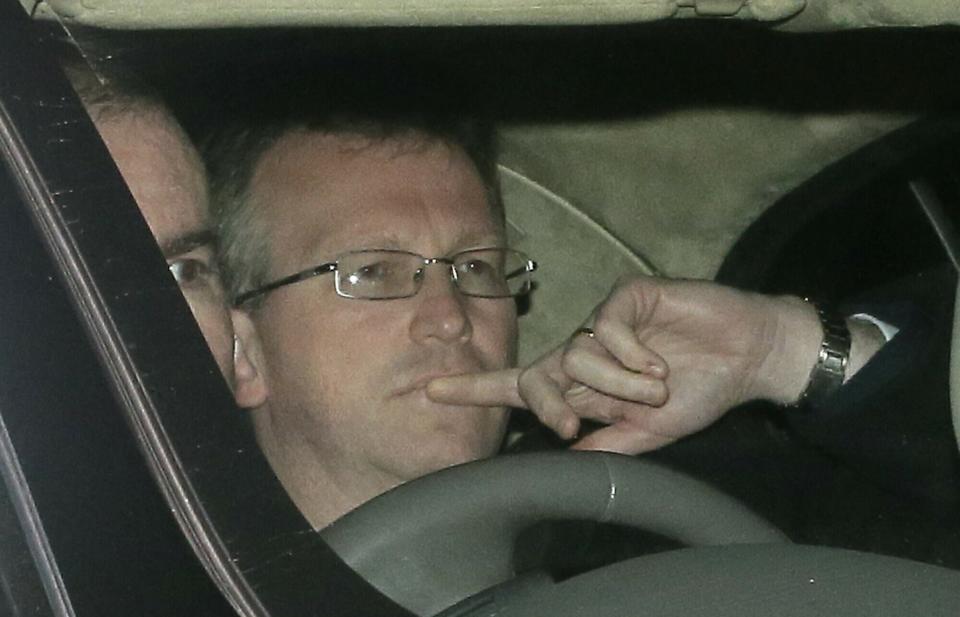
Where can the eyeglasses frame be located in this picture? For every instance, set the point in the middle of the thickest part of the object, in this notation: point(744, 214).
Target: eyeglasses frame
point(332, 266)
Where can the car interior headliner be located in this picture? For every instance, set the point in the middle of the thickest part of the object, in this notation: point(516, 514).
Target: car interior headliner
point(795, 15)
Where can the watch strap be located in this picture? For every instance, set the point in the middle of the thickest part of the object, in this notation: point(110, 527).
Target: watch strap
point(830, 369)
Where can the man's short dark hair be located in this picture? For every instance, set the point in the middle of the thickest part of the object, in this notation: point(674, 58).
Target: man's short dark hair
point(234, 152)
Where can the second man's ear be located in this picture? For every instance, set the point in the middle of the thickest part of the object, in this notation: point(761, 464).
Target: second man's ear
point(250, 386)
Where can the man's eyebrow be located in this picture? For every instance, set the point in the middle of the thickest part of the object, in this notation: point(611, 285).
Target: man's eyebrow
point(188, 242)
point(390, 241)
point(376, 241)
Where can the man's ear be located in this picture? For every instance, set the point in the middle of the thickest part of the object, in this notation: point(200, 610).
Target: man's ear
point(248, 368)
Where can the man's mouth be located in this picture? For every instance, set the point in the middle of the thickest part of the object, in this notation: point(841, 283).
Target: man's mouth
point(420, 381)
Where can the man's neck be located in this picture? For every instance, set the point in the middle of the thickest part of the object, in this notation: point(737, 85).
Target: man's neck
point(322, 494)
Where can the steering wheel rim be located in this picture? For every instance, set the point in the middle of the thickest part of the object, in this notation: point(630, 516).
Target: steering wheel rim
point(439, 539)
point(786, 580)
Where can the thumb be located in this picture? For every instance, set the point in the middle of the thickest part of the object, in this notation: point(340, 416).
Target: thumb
point(623, 439)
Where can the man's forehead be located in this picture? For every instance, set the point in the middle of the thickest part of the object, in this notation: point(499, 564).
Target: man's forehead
point(332, 193)
point(162, 170)
point(305, 152)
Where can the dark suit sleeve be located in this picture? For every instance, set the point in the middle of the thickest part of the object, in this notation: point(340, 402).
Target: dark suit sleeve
point(891, 422)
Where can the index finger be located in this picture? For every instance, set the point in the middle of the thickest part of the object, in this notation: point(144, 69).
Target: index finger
point(489, 389)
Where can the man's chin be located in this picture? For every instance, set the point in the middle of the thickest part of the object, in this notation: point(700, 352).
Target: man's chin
point(440, 436)
point(411, 435)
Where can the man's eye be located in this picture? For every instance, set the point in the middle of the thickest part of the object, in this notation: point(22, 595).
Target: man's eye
point(372, 273)
point(190, 272)
point(477, 268)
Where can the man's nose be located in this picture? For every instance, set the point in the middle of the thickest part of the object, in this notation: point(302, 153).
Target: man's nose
point(441, 310)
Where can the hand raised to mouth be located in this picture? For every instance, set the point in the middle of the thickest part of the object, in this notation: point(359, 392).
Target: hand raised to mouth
point(667, 359)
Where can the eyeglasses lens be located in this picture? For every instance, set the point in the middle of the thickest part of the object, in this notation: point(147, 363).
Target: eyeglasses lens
point(382, 275)
point(378, 275)
point(492, 273)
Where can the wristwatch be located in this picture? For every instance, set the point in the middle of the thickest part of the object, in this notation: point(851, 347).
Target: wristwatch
point(828, 372)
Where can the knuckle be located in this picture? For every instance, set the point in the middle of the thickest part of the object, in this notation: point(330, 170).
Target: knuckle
point(574, 361)
point(601, 322)
point(644, 390)
point(611, 412)
point(658, 392)
point(526, 379)
point(607, 328)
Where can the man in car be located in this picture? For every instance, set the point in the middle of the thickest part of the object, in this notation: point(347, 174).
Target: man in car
point(166, 177)
point(348, 368)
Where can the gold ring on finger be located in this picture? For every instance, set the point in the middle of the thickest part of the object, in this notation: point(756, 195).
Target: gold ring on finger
point(588, 331)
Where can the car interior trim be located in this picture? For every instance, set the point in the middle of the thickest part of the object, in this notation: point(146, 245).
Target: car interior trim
point(798, 15)
point(18, 491)
point(48, 215)
point(932, 206)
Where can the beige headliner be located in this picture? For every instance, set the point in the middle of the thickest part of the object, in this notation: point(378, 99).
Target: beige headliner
point(800, 15)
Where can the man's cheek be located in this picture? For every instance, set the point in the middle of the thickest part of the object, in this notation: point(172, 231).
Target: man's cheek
point(497, 337)
point(512, 339)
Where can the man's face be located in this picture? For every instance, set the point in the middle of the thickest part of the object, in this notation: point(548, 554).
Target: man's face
point(165, 176)
point(348, 376)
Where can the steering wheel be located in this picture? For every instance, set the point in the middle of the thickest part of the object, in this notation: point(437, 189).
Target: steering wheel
point(437, 540)
point(782, 580)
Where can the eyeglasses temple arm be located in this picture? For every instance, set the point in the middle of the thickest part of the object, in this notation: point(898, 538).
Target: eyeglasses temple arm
point(287, 280)
point(530, 266)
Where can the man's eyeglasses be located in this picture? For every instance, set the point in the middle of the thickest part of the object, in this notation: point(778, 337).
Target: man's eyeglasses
point(389, 274)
